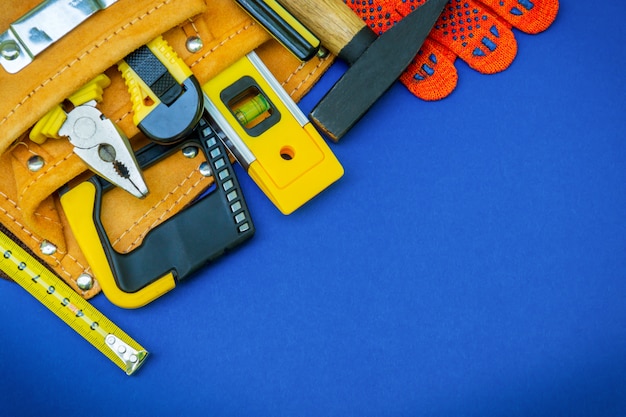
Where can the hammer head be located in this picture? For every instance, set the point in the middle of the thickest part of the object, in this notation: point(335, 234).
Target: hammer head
point(375, 71)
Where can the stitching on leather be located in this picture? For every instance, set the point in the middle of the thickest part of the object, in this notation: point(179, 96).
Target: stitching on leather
point(151, 209)
point(124, 116)
point(18, 208)
point(304, 80)
point(223, 42)
point(73, 259)
point(246, 27)
point(60, 265)
point(50, 168)
point(170, 194)
point(164, 214)
point(37, 240)
point(16, 205)
point(14, 220)
point(30, 151)
point(50, 219)
point(84, 54)
point(192, 24)
point(293, 73)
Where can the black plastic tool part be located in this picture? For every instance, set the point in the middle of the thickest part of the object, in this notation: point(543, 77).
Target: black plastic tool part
point(195, 236)
point(154, 74)
point(181, 104)
point(280, 29)
point(371, 75)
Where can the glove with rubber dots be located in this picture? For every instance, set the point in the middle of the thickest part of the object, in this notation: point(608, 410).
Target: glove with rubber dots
point(477, 31)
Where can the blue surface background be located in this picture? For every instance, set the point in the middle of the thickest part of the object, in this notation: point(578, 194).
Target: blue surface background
point(471, 262)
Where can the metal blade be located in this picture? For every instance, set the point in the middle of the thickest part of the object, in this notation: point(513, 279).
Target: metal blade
point(375, 71)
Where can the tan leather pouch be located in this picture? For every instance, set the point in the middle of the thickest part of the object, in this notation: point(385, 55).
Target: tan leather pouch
point(29, 202)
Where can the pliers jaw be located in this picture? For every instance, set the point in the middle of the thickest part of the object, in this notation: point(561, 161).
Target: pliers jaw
point(104, 148)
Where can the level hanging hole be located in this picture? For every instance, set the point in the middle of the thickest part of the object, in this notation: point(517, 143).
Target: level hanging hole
point(287, 153)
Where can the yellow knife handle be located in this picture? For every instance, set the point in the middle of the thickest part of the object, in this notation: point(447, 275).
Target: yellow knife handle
point(142, 97)
point(168, 57)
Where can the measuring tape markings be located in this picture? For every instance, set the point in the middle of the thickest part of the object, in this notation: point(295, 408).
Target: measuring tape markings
point(75, 311)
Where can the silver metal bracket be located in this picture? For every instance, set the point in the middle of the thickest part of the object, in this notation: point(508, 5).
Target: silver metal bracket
point(41, 27)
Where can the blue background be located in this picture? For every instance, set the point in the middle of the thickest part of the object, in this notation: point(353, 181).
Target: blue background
point(471, 262)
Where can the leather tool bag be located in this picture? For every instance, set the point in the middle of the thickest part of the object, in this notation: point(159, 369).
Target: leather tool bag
point(29, 203)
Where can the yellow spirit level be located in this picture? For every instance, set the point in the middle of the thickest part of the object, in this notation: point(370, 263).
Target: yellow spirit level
point(269, 135)
point(75, 311)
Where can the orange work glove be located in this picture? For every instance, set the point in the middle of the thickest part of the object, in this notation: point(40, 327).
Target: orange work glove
point(477, 31)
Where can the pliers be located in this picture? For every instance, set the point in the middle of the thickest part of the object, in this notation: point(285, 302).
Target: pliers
point(96, 140)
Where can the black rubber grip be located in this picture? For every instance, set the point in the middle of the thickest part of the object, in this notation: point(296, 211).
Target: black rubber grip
point(154, 74)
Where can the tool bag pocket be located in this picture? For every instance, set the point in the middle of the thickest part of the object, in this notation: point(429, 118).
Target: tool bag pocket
point(208, 35)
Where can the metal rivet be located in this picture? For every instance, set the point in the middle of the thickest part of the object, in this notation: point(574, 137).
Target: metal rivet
point(47, 248)
point(190, 152)
point(205, 169)
point(84, 281)
point(35, 163)
point(194, 44)
point(9, 50)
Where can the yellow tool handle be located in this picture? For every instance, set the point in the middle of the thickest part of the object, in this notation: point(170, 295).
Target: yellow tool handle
point(143, 99)
point(141, 96)
point(70, 307)
point(168, 57)
point(50, 124)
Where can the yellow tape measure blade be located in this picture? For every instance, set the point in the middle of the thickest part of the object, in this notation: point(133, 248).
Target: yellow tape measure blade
point(75, 311)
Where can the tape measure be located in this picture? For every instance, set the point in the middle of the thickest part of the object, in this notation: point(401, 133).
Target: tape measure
point(74, 310)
